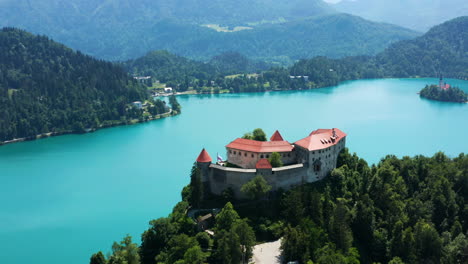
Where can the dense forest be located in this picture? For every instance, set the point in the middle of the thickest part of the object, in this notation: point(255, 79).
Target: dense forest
point(47, 87)
point(401, 210)
point(177, 71)
point(452, 94)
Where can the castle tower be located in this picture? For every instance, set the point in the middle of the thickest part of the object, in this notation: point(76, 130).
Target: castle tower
point(441, 82)
point(276, 136)
point(203, 163)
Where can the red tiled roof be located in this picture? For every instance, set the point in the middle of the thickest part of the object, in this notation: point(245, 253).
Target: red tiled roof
point(276, 136)
point(204, 156)
point(263, 164)
point(260, 146)
point(320, 139)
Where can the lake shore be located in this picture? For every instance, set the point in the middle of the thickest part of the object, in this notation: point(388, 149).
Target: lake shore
point(88, 130)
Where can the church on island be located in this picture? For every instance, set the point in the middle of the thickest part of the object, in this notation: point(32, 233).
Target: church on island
point(307, 160)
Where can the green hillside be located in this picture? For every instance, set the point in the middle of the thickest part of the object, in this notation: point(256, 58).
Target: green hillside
point(47, 87)
point(441, 51)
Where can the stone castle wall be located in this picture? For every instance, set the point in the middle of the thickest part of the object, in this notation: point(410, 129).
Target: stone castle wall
point(218, 178)
point(221, 178)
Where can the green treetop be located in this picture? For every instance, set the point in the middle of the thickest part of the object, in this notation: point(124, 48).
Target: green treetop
point(258, 134)
point(226, 218)
point(275, 160)
point(256, 188)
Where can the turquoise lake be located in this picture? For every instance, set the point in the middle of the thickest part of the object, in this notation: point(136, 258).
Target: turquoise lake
point(64, 198)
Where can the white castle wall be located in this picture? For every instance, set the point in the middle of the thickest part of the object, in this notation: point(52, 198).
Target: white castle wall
point(246, 159)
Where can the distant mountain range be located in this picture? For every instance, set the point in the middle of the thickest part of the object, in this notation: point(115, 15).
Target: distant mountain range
point(415, 14)
point(273, 30)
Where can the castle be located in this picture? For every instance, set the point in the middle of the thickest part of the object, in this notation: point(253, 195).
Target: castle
point(307, 160)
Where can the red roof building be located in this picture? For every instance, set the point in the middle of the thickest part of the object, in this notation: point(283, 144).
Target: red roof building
point(204, 157)
point(263, 164)
point(276, 136)
point(260, 146)
point(321, 138)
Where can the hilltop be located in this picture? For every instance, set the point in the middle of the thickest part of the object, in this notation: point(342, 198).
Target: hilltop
point(46, 87)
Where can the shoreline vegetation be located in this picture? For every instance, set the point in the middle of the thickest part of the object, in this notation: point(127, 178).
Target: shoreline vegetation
point(110, 124)
point(401, 210)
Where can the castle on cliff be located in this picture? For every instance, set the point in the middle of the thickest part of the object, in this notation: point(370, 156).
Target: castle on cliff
point(307, 160)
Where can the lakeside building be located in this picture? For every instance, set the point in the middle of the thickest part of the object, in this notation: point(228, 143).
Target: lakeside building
point(307, 160)
point(138, 104)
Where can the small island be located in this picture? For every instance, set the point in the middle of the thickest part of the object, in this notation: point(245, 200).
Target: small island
point(444, 92)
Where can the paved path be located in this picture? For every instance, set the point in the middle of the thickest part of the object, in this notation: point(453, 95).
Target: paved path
point(267, 253)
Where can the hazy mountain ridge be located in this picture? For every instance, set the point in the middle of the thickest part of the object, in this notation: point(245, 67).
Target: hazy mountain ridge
point(416, 14)
point(123, 29)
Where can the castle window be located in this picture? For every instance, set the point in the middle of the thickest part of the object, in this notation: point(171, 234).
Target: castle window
point(240, 154)
point(261, 156)
point(245, 154)
point(313, 152)
point(230, 151)
point(267, 156)
point(234, 153)
point(289, 154)
point(252, 155)
point(317, 167)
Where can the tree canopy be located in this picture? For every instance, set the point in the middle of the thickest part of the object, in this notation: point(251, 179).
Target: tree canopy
point(256, 188)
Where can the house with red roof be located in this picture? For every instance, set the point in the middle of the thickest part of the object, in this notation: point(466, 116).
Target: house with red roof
point(306, 160)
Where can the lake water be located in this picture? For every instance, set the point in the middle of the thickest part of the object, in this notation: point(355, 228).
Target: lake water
point(64, 198)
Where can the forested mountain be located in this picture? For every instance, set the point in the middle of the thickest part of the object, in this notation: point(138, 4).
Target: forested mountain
point(128, 12)
point(47, 87)
point(402, 210)
point(441, 51)
point(416, 14)
point(280, 30)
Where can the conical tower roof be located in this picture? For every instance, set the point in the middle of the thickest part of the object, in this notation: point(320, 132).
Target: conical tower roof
point(204, 156)
point(263, 164)
point(276, 136)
